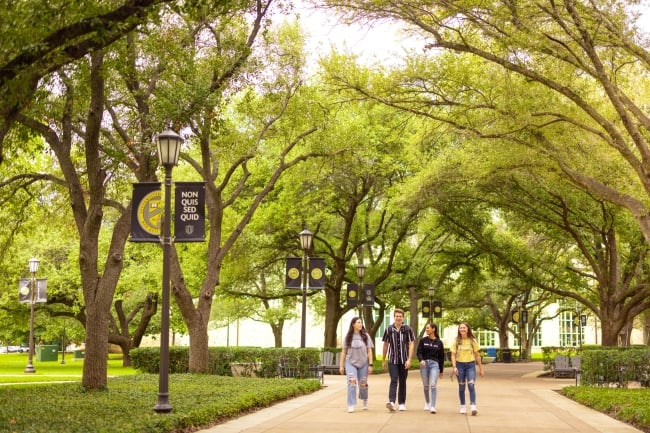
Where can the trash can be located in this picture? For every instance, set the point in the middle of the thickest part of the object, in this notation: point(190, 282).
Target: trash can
point(78, 354)
point(47, 353)
point(491, 351)
point(506, 355)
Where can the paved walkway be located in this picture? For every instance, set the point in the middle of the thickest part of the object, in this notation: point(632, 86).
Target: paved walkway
point(511, 398)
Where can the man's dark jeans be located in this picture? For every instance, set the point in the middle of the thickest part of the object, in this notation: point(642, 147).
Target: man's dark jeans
point(398, 374)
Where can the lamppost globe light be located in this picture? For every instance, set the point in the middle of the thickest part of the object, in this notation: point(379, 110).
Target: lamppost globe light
point(361, 271)
point(305, 239)
point(33, 265)
point(432, 291)
point(169, 147)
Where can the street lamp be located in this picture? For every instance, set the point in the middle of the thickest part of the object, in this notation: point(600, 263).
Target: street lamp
point(521, 328)
point(305, 243)
point(432, 291)
point(361, 272)
point(169, 147)
point(63, 344)
point(33, 267)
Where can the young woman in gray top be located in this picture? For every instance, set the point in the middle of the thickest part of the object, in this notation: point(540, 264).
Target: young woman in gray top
point(356, 361)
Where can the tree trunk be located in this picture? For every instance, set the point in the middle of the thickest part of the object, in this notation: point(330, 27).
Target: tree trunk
point(333, 313)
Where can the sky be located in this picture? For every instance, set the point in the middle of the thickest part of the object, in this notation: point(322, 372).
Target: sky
point(381, 42)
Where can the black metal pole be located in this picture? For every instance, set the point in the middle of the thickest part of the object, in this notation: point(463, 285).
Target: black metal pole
point(303, 320)
point(163, 405)
point(30, 359)
point(63, 344)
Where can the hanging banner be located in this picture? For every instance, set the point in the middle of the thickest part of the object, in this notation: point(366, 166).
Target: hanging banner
point(524, 316)
point(515, 317)
point(426, 309)
point(352, 295)
point(146, 212)
point(437, 309)
point(294, 269)
point(316, 273)
point(25, 290)
point(189, 215)
point(368, 295)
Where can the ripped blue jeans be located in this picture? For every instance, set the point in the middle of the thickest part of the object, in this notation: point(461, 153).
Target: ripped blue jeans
point(466, 378)
point(357, 379)
point(430, 373)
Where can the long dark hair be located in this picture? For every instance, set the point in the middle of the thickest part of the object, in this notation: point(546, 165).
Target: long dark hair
point(363, 333)
point(434, 327)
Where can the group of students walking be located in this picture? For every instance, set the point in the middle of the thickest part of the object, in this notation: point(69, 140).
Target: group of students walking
point(398, 346)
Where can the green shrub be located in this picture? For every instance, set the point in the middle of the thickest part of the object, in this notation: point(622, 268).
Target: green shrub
point(146, 359)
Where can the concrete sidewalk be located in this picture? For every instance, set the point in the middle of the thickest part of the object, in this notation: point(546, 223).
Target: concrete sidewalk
point(511, 398)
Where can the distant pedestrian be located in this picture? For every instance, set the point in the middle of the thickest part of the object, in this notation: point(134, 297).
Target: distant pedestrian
point(356, 361)
point(399, 341)
point(465, 355)
point(431, 354)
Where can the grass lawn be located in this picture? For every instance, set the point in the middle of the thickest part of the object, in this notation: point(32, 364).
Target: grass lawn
point(12, 366)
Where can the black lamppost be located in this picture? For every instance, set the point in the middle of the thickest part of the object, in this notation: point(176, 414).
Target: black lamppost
point(361, 272)
point(521, 329)
point(169, 147)
point(305, 243)
point(432, 291)
point(63, 344)
point(33, 267)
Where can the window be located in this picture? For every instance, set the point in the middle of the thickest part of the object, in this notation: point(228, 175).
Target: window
point(570, 329)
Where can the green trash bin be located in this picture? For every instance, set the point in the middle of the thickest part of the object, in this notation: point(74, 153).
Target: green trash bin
point(47, 353)
point(78, 354)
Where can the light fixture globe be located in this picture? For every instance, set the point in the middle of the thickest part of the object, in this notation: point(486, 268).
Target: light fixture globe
point(33, 265)
point(361, 271)
point(169, 147)
point(305, 239)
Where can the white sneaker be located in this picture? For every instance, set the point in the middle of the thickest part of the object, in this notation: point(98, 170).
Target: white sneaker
point(473, 409)
point(463, 410)
point(427, 406)
point(402, 407)
point(433, 410)
point(365, 405)
point(350, 409)
point(390, 406)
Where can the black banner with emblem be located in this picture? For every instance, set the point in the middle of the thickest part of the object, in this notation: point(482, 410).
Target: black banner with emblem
point(437, 309)
point(25, 290)
point(293, 273)
point(426, 309)
point(352, 295)
point(146, 212)
point(368, 295)
point(189, 215)
point(316, 273)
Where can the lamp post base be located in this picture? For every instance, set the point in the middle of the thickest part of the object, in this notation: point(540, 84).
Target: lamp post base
point(163, 405)
point(30, 369)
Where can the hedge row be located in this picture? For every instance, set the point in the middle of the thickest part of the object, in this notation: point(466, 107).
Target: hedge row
point(302, 360)
point(615, 367)
point(607, 366)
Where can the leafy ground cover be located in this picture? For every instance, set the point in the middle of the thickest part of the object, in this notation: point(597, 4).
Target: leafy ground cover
point(127, 405)
point(627, 405)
